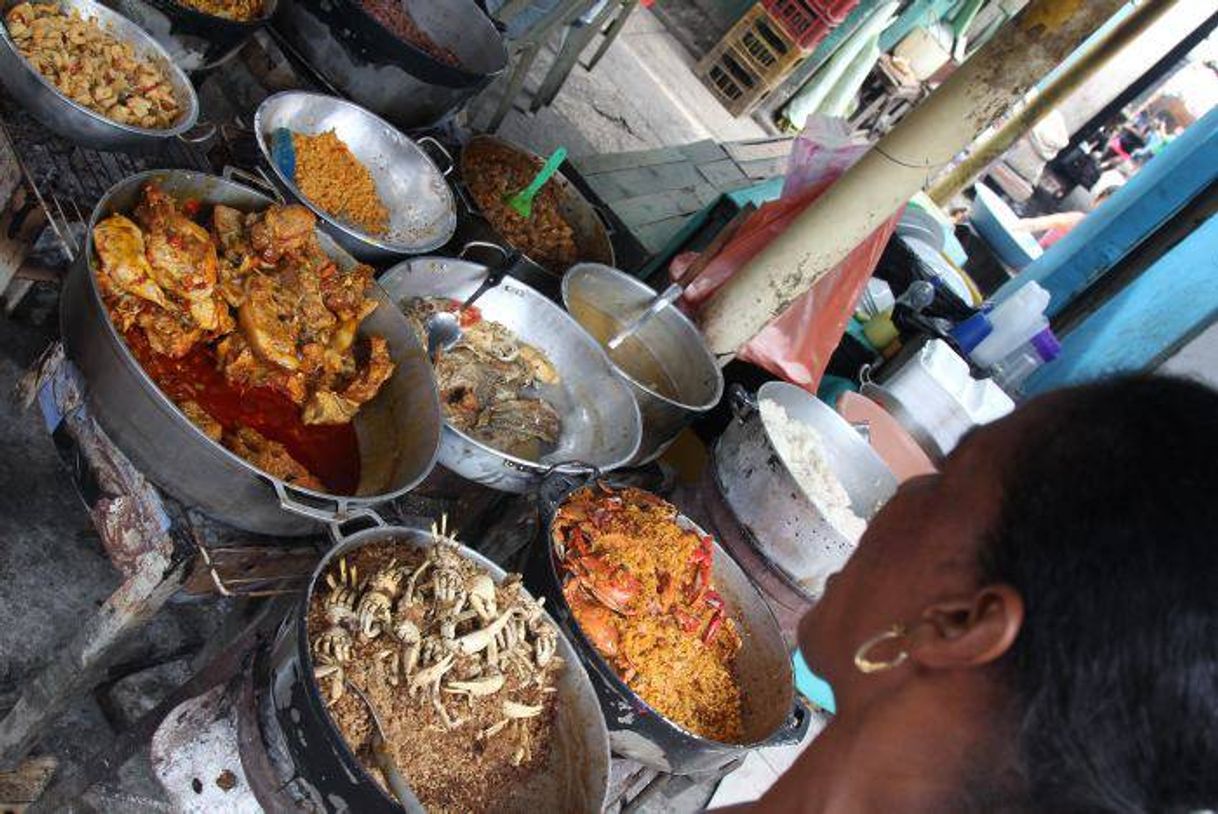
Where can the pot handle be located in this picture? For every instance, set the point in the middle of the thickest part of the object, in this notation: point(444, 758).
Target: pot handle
point(743, 403)
point(421, 140)
point(255, 179)
point(555, 484)
point(483, 244)
point(333, 512)
point(795, 727)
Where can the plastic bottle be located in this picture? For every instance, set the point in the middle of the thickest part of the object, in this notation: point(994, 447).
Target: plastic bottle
point(1015, 321)
point(1014, 369)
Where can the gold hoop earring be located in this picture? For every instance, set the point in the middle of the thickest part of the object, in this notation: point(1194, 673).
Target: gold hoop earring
point(866, 665)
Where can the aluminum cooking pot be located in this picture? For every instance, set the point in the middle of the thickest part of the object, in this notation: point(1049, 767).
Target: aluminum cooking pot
point(600, 419)
point(366, 63)
point(591, 237)
point(195, 40)
point(422, 215)
point(755, 480)
point(77, 122)
point(574, 779)
point(773, 713)
point(398, 431)
point(667, 364)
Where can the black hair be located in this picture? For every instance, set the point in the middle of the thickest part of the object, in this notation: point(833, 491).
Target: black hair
point(1109, 530)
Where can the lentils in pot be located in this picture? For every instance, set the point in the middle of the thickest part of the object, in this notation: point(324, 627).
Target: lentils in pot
point(392, 14)
point(90, 66)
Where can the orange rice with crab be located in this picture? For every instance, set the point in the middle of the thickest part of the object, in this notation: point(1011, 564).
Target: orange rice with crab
point(640, 587)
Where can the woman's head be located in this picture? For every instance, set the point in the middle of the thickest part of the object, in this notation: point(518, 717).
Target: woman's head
point(1062, 568)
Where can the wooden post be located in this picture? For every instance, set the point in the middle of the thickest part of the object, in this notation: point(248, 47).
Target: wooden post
point(899, 165)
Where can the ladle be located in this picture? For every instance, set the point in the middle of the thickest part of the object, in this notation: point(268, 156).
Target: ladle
point(384, 760)
point(444, 327)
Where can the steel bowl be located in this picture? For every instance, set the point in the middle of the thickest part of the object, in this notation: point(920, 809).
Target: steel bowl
point(772, 714)
point(422, 214)
point(362, 60)
point(76, 122)
point(591, 237)
point(574, 778)
point(668, 348)
point(600, 419)
point(398, 431)
point(784, 522)
point(195, 40)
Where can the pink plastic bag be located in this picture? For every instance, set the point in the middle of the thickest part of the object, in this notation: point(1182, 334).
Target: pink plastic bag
point(796, 346)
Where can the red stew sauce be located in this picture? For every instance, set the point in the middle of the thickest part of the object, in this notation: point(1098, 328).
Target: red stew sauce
point(330, 452)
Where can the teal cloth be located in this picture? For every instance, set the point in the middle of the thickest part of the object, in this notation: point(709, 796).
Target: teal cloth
point(812, 686)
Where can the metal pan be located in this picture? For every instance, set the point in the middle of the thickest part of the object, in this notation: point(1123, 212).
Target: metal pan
point(398, 431)
point(77, 122)
point(601, 425)
point(591, 237)
point(575, 777)
point(195, 40)
point(422, 214)
point(773, 714)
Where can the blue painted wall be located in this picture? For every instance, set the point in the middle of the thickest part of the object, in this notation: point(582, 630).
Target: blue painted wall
point(1156, 313)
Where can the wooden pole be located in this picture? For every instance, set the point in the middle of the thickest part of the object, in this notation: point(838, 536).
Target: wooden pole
point(986, 152)
point(899, 165)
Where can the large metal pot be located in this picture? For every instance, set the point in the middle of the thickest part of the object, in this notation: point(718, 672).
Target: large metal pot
point(389, 76)
point(591, 237)
point(196, 41)
point(667, 364)
point(575, 778)
point(422, 214)
point(398, 431)
point(757, 484)
point(600, 419)
point(773, 713)
point(77, 122)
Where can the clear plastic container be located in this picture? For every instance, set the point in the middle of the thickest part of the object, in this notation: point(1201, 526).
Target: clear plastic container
point(1014, 369)
point(1015, 322)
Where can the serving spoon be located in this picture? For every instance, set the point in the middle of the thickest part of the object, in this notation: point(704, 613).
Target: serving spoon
point(522, 201)
point(384, 761)
point(444, 327)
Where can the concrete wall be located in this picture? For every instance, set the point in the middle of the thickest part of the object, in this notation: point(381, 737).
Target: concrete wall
point(1198, 359)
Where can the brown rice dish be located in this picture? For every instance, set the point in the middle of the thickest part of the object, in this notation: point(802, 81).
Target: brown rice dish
point(91, 67)
point(239, 10)
point(640, 587)
point(461, 671)
point(330, 176)
point(545, 237)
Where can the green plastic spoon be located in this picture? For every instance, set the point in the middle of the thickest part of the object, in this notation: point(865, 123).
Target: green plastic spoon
point(522, 201)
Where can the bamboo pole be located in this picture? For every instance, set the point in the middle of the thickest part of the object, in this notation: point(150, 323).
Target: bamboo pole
point(1050, 96)
point(900, 164)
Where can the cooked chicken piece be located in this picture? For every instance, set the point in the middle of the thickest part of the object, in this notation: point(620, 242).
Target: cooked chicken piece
point(169, 334)
point(242, 367)
point(271, 457)
point(124, 264)
point(372, 374)
point(228, 225)
point(346, 293)
point(267, 318)
point(304, 284)
point(281, 230)
point(180, 253)
point(124, 309)
point(492, 340)
point(202, 419)
point(328, 407)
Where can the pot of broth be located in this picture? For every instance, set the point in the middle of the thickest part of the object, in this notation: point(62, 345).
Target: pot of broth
point(666, 363)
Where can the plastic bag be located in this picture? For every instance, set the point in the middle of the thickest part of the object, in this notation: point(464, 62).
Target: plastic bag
point(796, 346)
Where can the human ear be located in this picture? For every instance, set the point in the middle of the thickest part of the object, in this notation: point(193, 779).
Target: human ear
point(968, 631)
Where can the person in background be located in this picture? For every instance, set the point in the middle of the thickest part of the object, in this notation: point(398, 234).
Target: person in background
point(1054, 227)
point(1034, 628)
